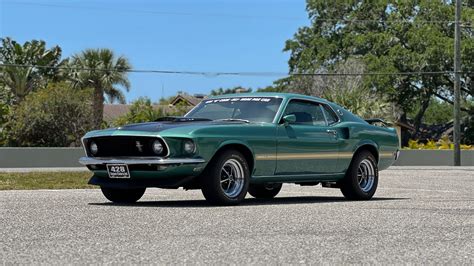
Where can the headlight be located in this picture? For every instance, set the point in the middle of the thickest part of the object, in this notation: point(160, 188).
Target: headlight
point(189, 147)
point(93, 148)
point(157, 147)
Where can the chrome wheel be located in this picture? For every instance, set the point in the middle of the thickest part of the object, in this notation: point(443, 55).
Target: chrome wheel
point(366, 175)
point(232, 178)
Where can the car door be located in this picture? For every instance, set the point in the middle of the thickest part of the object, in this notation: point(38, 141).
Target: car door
point(341, 135)
point(307, 145)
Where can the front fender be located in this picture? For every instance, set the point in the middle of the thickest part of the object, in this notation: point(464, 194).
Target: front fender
point(235, 142)
point(248, 151)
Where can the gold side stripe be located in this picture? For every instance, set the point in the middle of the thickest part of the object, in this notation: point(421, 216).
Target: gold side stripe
point(264, 157)
point(302, 156)
point(386, 154)
point(307, 156)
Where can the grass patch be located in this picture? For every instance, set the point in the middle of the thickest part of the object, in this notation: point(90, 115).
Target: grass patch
point(45, 180)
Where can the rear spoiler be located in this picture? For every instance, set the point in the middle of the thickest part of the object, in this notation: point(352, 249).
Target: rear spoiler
point(373, 121)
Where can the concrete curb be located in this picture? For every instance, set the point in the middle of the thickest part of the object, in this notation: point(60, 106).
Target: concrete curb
point(40, 157)
point(43, 169)
point(433, 158)
point(68, 157)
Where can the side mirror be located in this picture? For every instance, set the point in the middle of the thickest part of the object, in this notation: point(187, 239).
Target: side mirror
point(289, 119)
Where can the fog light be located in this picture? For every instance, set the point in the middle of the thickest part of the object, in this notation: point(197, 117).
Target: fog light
point(157, 147)
point(93, 148)
point(189, 146)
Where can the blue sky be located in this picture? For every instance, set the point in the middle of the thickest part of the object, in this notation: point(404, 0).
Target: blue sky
point(206, 35)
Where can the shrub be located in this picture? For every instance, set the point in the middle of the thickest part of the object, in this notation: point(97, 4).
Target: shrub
point(55, 116)
point(142, 110)
point(6, 100)
point(443, 144)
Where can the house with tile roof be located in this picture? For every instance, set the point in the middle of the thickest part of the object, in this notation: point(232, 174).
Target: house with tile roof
point(114, 111)
point(187, 100)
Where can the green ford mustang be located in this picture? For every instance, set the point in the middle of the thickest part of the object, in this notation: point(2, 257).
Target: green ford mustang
point(233, 144)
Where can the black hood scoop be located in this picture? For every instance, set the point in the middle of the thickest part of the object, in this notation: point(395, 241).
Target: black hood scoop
point(181, 119)
point(164, 123)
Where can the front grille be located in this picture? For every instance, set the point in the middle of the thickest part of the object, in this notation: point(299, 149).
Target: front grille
point(124, 146)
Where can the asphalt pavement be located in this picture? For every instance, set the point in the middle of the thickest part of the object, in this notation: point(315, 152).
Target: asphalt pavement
point(418, 216)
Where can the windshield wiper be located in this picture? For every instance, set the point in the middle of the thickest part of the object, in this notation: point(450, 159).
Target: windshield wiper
point(233, 119)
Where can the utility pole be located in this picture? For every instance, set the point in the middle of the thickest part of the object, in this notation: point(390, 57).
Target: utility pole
point(457, 84)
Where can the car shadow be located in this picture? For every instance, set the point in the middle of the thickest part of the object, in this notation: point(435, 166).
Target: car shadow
point(246, 202)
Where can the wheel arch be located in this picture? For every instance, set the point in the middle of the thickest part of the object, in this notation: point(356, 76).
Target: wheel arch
point(367, 145)
point(240, 146)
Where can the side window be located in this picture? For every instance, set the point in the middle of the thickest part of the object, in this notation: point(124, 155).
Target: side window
point(330, 115)
point(307, 113)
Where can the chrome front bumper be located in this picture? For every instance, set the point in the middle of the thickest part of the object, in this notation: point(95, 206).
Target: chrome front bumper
point(137, 160)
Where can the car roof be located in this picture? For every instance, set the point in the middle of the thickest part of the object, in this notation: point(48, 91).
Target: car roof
point(348, 116)
point(270, 94)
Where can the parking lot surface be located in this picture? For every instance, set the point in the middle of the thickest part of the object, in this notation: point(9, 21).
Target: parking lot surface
point(418, 215)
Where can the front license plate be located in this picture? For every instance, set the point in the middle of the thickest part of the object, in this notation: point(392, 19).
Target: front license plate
point(118, 171)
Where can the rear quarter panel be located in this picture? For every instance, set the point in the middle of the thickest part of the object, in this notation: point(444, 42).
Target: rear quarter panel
point(385, 140)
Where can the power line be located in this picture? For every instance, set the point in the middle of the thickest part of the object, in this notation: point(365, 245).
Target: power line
point(466, 23)
point(213, 74)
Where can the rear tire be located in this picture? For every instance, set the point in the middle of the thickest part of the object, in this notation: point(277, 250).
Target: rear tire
point(226, 179)
point(360, 182)
point(265, 191)
point(127, 195)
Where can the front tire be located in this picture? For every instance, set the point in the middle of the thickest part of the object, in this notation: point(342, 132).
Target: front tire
point(226, 179)
point(361, 180)
point(265, 191)
point(127, 195)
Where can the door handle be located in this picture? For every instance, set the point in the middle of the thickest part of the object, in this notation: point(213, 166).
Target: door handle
point(332, 131)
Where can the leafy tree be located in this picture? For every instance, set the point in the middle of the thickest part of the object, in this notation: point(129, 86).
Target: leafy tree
point(55, 116)
point(103, 71)
point(468, 130)
point(272, 88)
point(142, 110)
point(438, 112)
point(237, 89)
point(347, 91)
point(179, 109)
point(6, 100)
point(387, 37)
point(23, 80)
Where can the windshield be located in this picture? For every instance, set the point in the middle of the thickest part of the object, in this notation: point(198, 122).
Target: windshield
point(253, 109)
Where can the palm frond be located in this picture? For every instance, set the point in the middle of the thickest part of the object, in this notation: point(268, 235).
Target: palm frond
point(114, 95)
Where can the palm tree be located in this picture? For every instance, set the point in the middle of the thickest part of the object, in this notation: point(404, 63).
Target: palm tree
point(28, 66)
point(101, 70)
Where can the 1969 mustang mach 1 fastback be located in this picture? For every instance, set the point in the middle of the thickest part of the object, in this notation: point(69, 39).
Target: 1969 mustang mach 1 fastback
point(233, 144)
